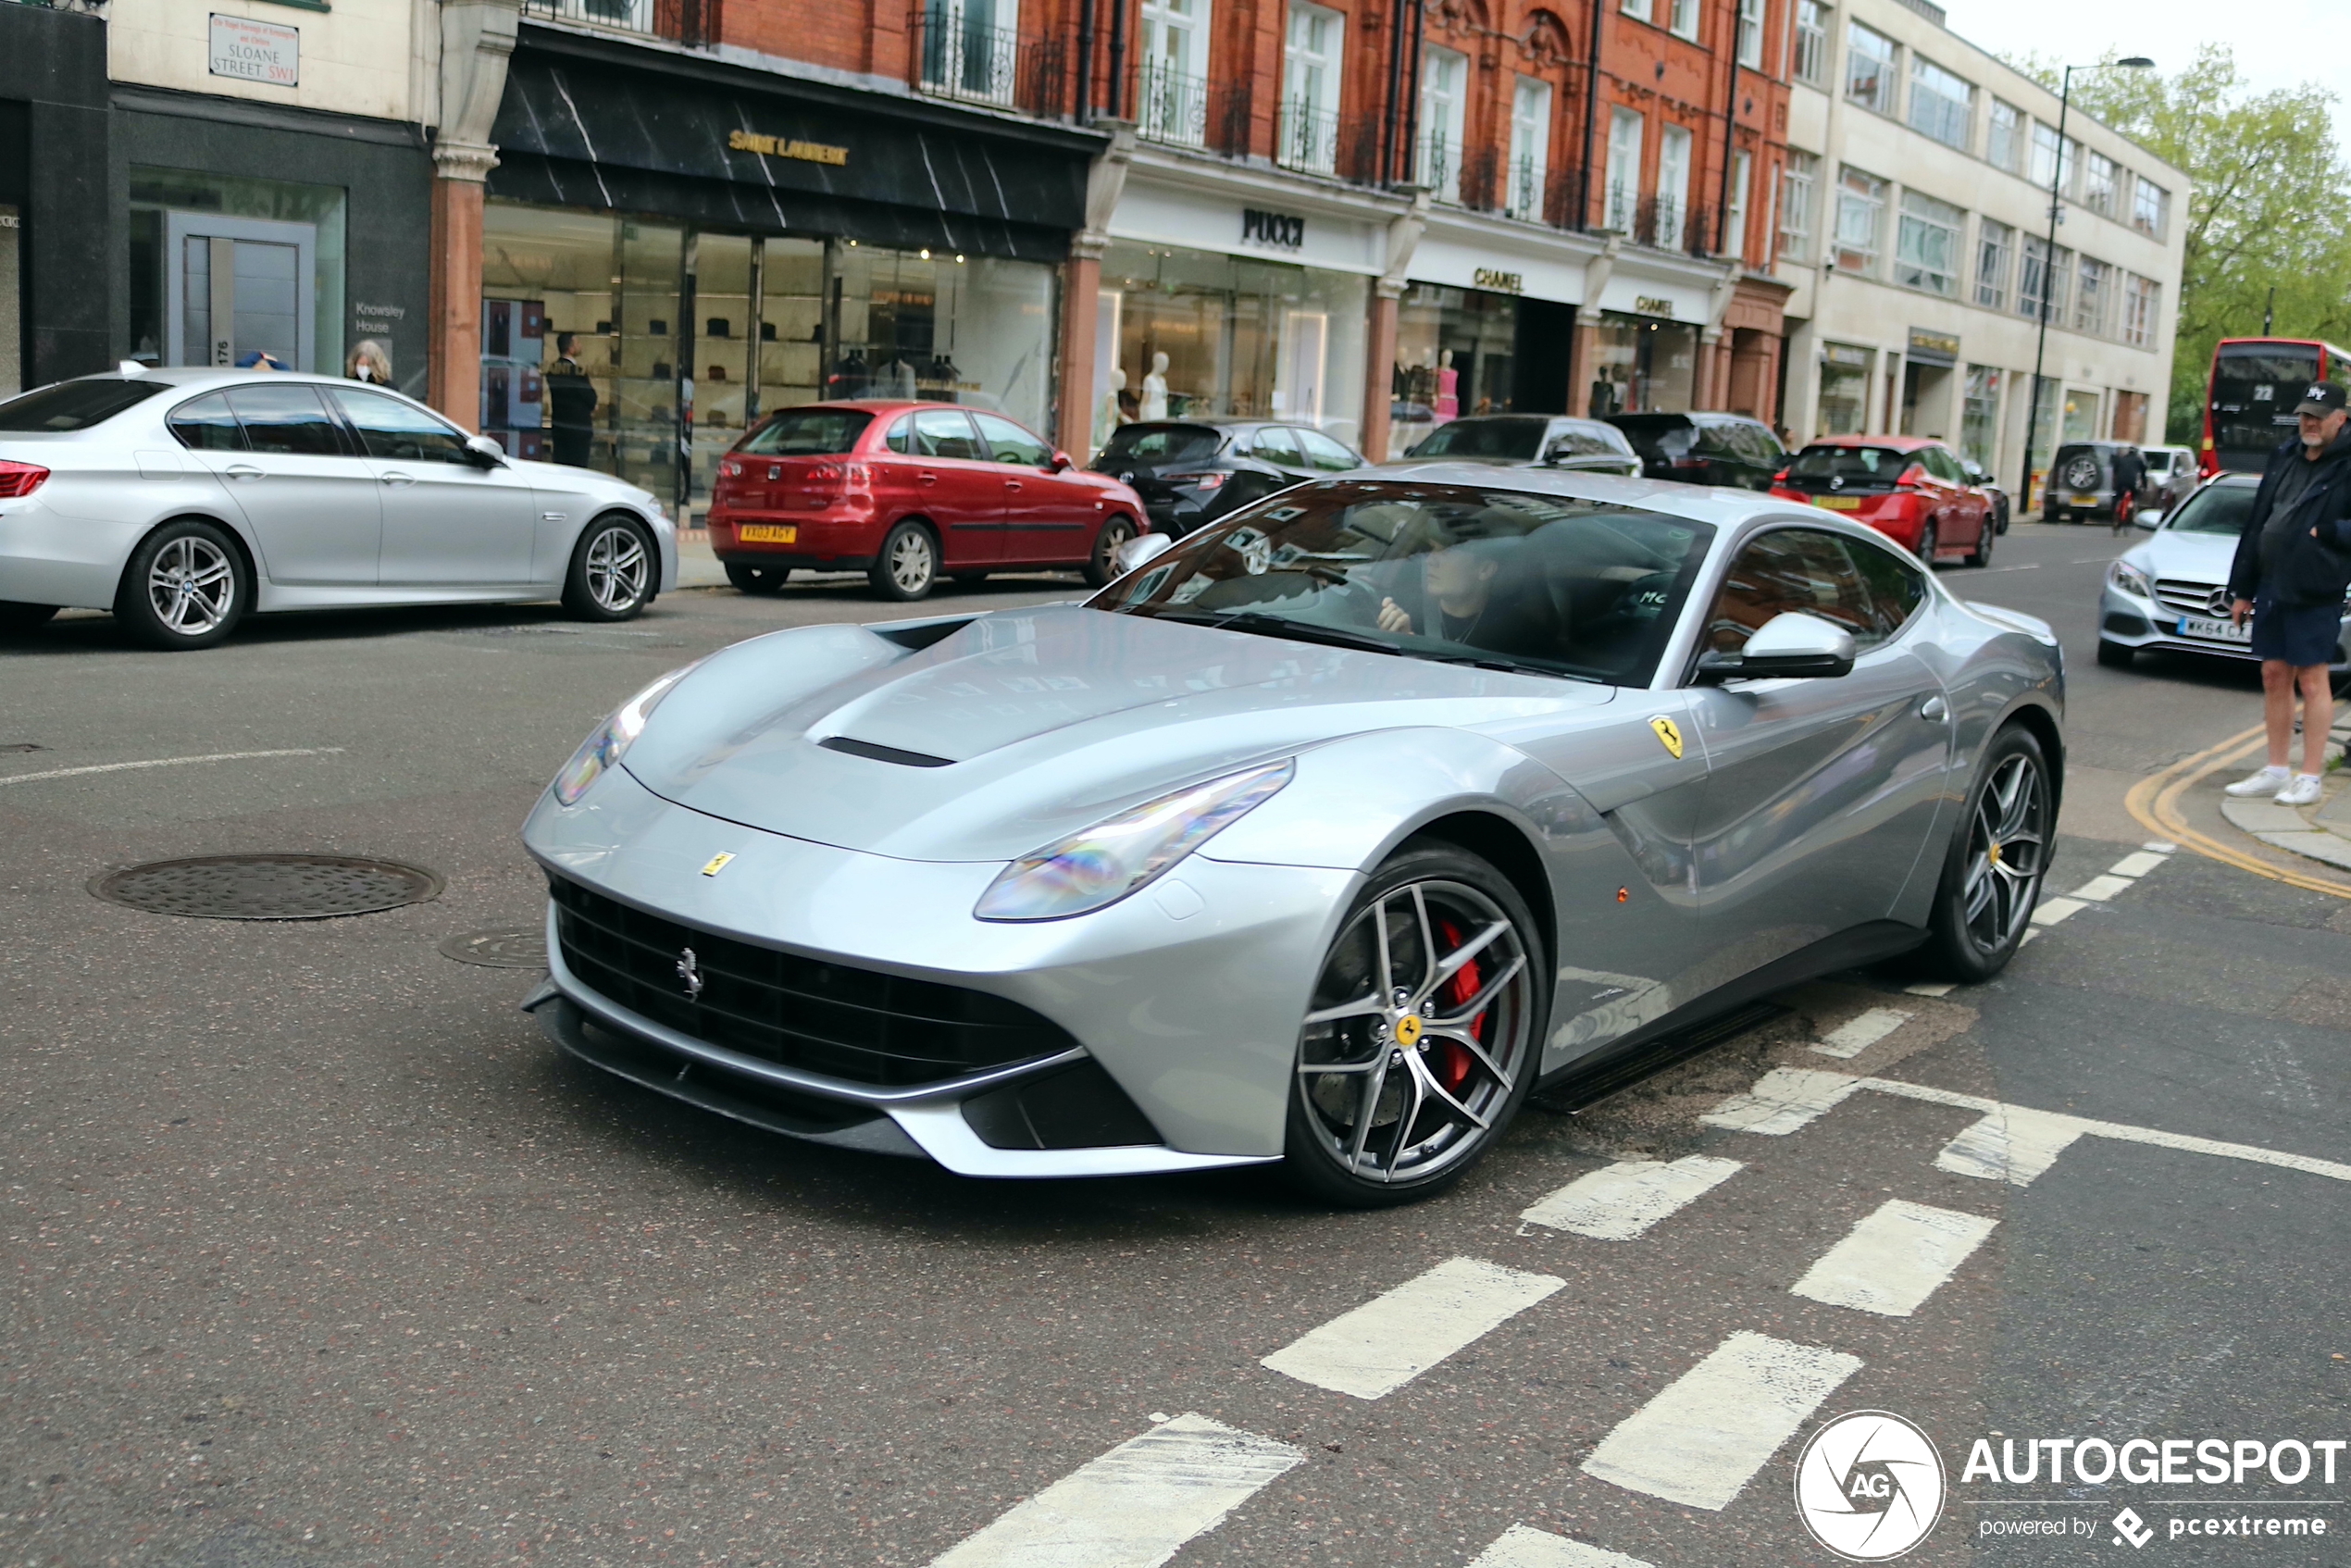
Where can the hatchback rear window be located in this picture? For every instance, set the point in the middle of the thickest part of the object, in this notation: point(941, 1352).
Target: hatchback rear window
point(1161, 443)
point(807, 432)
point(1866, 465)
point(1517, 440)
point(75, 406)
point(1657, 437)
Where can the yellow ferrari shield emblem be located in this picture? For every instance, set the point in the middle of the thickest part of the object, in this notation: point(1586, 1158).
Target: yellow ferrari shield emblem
point(1668, 734)
point(1408, 1030)
point(719, 863)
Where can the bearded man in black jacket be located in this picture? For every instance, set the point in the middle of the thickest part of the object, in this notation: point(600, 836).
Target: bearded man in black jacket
point(2292, 567)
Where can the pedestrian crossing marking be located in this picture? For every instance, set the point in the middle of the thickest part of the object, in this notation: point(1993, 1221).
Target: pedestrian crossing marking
point(1898, 1256)
point(1392, 1339)
point(1705, 1435)
point(1520, 1546)
point(1625, 1200)
point(1857, 1035)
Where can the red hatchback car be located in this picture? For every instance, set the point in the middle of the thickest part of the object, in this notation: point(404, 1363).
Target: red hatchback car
point(1910, 489)
point(908, 493)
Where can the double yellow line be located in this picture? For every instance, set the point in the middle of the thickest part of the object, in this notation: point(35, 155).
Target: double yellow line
point(2155, 801)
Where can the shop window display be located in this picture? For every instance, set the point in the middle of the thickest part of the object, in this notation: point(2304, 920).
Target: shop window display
point(1456, 354)
point(1643, 366)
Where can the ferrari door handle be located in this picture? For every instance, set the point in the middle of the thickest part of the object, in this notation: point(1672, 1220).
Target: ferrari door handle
point(242, 471)
point(1934, 710)
point(396, 479)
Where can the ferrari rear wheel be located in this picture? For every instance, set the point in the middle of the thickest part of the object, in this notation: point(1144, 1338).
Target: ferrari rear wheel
point(1423, 1034)
point(1993, 872)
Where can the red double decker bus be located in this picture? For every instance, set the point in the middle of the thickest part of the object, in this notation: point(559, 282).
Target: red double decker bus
point(2248, 404)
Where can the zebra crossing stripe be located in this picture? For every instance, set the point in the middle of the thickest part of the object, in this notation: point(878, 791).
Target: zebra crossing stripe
point(1705, 1436)
point(2012, 1144)
point(1623, 1200)
point(2138, 863)
point(2101, 888)
point(1135, 1505)
point(1894, 1258)
point(1857, 1035)
point(1783, 1100)
point(1520, 1546)
point(1393, 1339)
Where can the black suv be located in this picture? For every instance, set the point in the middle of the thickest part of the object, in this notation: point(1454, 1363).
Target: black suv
point(1723, 449)
point(1190, 472)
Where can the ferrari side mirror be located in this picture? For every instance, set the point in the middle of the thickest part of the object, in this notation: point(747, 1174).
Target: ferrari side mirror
point(1790, 645)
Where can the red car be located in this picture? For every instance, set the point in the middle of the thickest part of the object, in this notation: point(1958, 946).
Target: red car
point(1910, 489)
point(908, 493)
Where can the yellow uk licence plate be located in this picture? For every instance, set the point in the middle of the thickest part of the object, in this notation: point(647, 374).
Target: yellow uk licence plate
point(1838, 503)
point(767, 533)
point(2085, 500)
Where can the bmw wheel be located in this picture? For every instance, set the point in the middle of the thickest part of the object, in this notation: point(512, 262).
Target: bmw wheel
point(1992, 873)
point(185, 587)
point(1103, 568)
point(1423, 1034)
point(908, 566)
point(612, 575)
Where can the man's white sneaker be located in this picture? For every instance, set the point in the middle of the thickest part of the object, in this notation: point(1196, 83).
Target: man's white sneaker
point(2303, 791)
point(2268, 781)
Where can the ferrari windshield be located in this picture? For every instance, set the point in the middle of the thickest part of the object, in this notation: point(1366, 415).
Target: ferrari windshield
point(1495, 578)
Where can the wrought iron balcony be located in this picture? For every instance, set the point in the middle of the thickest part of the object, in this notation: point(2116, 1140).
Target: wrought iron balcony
point(1309, 138)
point(1171, 106)
point(629, 15)
point(958, 55)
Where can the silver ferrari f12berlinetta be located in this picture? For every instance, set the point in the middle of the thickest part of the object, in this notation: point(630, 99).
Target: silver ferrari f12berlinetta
point(1324, 837)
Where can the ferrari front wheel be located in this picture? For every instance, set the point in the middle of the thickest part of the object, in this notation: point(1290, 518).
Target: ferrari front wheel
point(1993, 870)
point(1423, 1034)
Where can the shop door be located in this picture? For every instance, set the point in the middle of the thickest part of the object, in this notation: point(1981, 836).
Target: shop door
point(237, 286)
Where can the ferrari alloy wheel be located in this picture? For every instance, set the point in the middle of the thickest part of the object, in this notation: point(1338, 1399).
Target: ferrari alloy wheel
point(185, 587)
point(1103, 568)
point(612, 571)
point(908, 565)
point(1423, 1034)
point(1991, 879)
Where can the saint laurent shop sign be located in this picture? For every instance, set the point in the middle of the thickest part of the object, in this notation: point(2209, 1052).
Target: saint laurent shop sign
point(1934, 348)
point(1650, 304)
point(1278, 228)
point(779, 147)
point(1499, 282)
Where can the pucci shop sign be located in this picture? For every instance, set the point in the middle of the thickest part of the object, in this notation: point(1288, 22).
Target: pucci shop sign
point(1281, 229)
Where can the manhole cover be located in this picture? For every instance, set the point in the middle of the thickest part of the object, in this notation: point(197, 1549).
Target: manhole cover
point(267, 886)
point(500, 950)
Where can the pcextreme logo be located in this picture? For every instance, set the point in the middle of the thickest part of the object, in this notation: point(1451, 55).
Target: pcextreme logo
point(1868, 1486)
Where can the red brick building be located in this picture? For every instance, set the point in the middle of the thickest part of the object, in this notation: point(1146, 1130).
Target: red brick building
point(1372, 216)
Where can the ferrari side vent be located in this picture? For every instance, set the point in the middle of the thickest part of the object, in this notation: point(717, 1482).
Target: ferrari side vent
point(1079, 1106)
point(873, 752)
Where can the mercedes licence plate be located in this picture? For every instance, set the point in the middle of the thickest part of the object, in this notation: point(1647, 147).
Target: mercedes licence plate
point(1838, 503)
point(767, 533)
point(2219, 632)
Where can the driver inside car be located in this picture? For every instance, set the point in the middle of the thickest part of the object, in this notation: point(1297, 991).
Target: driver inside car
point(1468, 595)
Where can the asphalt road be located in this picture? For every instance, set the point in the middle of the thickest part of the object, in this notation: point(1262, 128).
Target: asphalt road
point(322, 1255)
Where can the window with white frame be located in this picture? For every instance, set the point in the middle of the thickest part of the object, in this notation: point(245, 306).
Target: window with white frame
point(1684, 22)
point(1941, 105)
point(1641, 10)
point(1926, 244)
point(1734, 236)
point(969, 47)
point(1799, 199)
point(2151, 208)
point(2004, 136)
point(2039, 273)
point(2101, 184)
point(1310, 89)
point(1811, 42)
point(2051, 161)
point(1530, 148)
point(1172, 97)
point(1672, 186)
point(1995, 251)
point(1869, 67)
point(2094, 299)
point(1624, 168)
point(1751, 34)
point(1444, 99)
point(2142, 306)
point(1860, 218)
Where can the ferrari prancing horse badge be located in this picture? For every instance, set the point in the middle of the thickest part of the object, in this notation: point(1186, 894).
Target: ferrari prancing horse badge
point(1668, 734)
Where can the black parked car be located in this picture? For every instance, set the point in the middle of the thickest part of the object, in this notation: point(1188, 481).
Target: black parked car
point(1190, 472)
point(2080, 483)
point(1551, 441)
point(1724, 449)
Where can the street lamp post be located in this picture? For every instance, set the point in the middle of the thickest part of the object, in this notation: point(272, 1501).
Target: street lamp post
point(2049, 267)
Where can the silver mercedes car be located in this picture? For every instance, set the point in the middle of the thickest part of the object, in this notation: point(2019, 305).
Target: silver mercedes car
point(1323, 837)
point(2170, 592)
point(185, 500)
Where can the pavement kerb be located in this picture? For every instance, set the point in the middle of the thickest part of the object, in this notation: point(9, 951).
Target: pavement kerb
point(2155, 801)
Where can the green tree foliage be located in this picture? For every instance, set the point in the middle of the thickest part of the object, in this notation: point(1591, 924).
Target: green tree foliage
point(2268, 210)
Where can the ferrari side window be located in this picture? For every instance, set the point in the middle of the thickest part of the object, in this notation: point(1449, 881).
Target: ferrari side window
point(1896, 588)
point(1802, 571)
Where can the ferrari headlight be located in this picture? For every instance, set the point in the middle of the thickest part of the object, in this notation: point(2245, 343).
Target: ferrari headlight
point(615, 735)
point(1116, 857)
point(2129, 580)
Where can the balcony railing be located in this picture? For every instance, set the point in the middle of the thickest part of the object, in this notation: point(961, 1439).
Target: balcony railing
point(1527, 190)
point(629, 16)
point(1437, 165)
point(1171, 106)
point(957, 55)
point(1309, 138)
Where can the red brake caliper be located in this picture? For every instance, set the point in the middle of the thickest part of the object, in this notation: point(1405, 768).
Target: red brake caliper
point(1452, 1063)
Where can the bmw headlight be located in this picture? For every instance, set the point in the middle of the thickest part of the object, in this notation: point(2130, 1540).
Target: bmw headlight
point(614, 737)
point(1113, 858)
point(2127, 578)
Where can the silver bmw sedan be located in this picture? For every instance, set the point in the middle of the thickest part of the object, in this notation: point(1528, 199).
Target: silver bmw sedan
point(1321, 838)
point(185, 500)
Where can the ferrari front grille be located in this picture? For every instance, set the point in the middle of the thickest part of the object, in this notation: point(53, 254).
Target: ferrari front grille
point(803, 1013)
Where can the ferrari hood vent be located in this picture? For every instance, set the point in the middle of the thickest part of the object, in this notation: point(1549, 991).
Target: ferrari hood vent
point(883, 753)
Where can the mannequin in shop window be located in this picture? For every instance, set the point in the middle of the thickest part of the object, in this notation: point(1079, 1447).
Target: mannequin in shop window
point(1155, 388)
point(1448, 385)
point(1113, 412)
point(851, 376)
point(895, 379)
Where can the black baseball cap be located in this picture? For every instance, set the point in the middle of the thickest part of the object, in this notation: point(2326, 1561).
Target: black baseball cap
point(2320, 398)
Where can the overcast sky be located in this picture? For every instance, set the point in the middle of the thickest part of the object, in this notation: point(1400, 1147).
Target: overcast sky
point(2278, 43)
